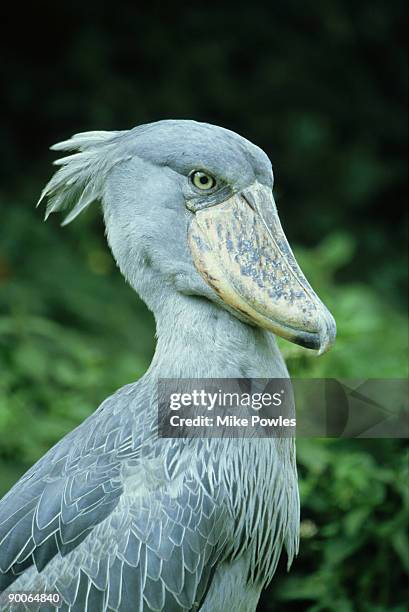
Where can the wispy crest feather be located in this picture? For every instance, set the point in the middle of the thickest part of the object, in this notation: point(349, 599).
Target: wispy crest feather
point(80, 179)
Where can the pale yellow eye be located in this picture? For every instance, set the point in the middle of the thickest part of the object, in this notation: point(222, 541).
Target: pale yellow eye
point(201, 180)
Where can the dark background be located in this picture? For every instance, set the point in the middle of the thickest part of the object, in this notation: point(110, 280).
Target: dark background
point(322, 87)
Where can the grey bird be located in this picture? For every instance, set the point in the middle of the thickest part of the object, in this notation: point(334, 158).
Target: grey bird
point(115, 517)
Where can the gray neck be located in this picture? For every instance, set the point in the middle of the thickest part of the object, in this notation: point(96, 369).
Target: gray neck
point(198, 339)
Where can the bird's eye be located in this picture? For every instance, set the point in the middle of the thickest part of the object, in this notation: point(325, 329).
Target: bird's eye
point(201, 180)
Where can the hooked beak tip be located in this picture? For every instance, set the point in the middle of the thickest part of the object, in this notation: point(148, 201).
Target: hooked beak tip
point(322, 339)
point(328, 333)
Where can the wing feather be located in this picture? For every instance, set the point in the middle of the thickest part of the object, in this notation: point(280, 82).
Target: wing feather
point(155, 547)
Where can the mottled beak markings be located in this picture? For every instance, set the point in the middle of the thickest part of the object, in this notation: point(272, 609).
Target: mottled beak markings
point(241, 251)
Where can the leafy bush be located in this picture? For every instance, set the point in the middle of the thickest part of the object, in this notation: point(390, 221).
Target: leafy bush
point(372, 338)
point(354, 551)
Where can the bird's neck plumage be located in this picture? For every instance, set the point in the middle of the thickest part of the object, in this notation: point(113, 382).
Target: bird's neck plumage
point(199, 339)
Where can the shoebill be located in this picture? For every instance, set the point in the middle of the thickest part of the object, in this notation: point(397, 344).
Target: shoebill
point(114, 517)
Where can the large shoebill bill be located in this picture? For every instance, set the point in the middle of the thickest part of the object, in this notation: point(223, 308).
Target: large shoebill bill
point(114, 517)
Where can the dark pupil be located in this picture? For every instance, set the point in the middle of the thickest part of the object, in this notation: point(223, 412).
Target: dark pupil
point(204, 180)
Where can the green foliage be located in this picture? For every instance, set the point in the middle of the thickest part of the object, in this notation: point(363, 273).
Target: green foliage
point(372, 336)
point(354, 551)
point(54, 373)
